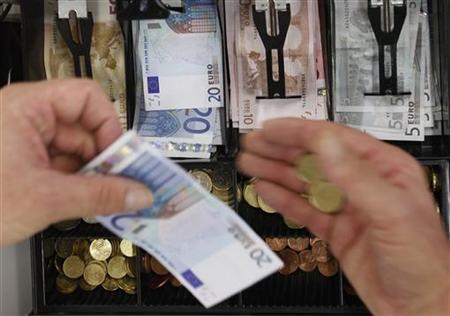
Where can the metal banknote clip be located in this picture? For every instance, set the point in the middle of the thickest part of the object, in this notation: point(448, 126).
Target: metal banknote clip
point(272, 19)
point(387, 18)
point(148, 9)
point(75, 25)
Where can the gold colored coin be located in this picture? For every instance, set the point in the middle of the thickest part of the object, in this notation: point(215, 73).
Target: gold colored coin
point(291, 224)
point(64, 247)
point(67, 225)
point(94, 273)
point(116, 267)
point(65, 285)
point(308, 169)
point(221, 179)
point(157, 267)
point(250, 195)
point(73, 267)
point(265, 207)
point(329, 268)
point(127, 248)
point(85, 286)
point(90, 220)
point(276, 244)
point(307, 262)
point(59, 264)
point(174, 282)
point(298, 244)
point(326, 197)
point(110, 284)
point(203, 179)
point(239, 193)
point(100, 249)
point(128, 285)
point(435, 182)
point(130, 266)
point(290, 260)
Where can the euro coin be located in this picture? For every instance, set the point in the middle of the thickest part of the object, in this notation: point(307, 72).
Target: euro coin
point(298, 244)
point(326, 197)
point(290, 260)
point(94, 273)
point(250, 195)
point(65, 285)
point(307, 262)
point(157, 267)
point(158, 281)
point(314, 240)
point(291, 224)
point(73, 267)
point(64, 247)
point(85, 286)
point(203, 179)
point(58, 262)
point(174, 282)
point(329, 268)
point(308, 169)
point(320, 251)
point(115, 248)
point(265, 207)
point(127, 248)
point(130, 267)
point(100, 249)
point(67, 225)
point(146, 263)
point(128, 285)
point(276, 244)
point(116, 267)
point(90, 220)
point(110, 284)
point(239, 193)
point(222, 179)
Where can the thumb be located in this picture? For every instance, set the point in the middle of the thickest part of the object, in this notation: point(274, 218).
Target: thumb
point(83, 196)
point(362, 186)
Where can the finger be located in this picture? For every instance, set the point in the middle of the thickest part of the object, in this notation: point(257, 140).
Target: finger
point(387, 159)
point(293, 206)
point(99, 195)
point(255, 143)
point(271, 170)
point(66, 164)
point(74, 140)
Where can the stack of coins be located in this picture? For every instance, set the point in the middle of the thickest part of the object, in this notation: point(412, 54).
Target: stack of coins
point(433, 179)
point(159, 276)
point(321, 194)
point(218, 181)
point(297, 254)
point(89, 264)
point(67, 225)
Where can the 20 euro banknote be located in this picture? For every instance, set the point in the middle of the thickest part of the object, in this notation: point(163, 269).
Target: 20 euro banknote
point(189, 231)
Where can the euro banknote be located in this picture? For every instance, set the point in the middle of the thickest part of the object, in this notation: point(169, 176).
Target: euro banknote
point(188, 230)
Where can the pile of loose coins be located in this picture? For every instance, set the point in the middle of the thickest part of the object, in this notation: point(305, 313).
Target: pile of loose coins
point(89, 264)
point(218, 181)
point(159, 276)
point(304, 253)
point(321, 194)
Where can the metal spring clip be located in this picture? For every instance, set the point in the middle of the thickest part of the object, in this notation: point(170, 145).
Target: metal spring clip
point(387, 30)
point(280, 19)
point(78, 42)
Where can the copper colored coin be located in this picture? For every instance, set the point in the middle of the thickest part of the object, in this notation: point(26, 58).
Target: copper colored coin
point(158, 281)
point(276, 244)
point(298, 243)
point(157, 267)
point(329, 268)
point(146, 262)
point(320, 251)
point(307, 262)
point(313, 240)
point(290, 260)
point(174, 282)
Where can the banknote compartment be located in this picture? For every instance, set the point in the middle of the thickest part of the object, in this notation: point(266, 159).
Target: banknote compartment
point(433, 146)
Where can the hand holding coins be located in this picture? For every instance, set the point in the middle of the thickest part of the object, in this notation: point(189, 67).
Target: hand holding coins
point(88, 264)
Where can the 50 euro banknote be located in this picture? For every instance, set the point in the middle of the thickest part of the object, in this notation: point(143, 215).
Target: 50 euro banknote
point(200, 240)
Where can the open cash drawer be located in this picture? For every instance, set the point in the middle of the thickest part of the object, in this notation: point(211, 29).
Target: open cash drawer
point(296, 293)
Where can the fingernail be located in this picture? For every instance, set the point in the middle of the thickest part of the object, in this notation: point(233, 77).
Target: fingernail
point(331, 147)
point(138, 199)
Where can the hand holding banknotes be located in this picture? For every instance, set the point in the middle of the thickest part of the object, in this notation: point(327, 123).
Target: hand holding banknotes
point(387, 234)
point(48, 131)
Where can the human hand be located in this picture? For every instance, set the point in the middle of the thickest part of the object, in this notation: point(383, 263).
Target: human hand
point(388, 238)
point(48, 131)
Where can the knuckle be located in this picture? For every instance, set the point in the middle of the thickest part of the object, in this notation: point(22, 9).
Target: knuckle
point(106, 199)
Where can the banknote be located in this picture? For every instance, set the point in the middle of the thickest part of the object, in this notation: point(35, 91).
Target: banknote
point(356, 57)
point(181, 59)
point(188, 230)
point(107, 52)
point(299, 60)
